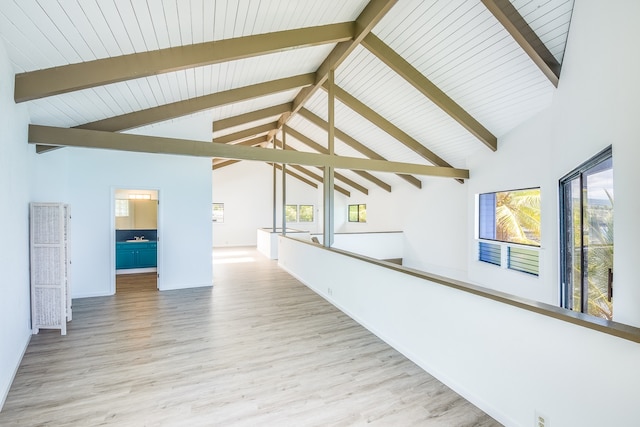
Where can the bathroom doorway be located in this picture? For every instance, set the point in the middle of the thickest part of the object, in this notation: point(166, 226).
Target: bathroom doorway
point(136, 239)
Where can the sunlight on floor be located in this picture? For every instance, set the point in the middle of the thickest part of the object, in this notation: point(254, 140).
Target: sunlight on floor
point(232, 257)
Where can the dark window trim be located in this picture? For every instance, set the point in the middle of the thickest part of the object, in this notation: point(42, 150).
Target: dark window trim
point(600, 157)
point(506, 241)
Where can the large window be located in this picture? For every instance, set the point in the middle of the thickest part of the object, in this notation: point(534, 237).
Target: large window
point(510, 216)
point(358, 213)
point(509, 229)
point(586, 228)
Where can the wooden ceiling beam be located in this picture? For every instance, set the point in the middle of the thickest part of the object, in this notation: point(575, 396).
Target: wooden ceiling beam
point(69, 137)
point(246, 133)
point(201, 103)
point(384, 124)
point(258, 140)
point(251, 116)
point(295, 175)
point(373, 12)
point(319, 179)
point(72, 77)
point(221, 164)
point(193, 105)
point(354, 143)
point(414, 77)
point(320, 149)
point(338, 176)
point(524, 35)
point(247, 143)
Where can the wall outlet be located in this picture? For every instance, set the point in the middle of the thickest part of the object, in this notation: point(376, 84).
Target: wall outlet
point(329, 291)
point(541, 420)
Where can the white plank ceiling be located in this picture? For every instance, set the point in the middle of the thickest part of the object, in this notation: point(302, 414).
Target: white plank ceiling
point(457, 44)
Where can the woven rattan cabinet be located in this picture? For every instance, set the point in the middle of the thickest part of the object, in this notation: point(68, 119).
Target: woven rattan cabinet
point(50, 266)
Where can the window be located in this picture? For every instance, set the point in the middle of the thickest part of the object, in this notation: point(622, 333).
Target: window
point(511, 220)
point(291, 213)
point(305, 213)
point(490, 252)
point(122, 207)
point(358, 213)
point(510, 216)
point(217, 210)
point(586, 242)
point(524, 260)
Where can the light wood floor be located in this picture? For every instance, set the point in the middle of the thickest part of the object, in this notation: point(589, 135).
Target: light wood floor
point(257, 349)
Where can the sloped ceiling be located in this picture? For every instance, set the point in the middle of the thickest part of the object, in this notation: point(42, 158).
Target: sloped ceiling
point(429, 83)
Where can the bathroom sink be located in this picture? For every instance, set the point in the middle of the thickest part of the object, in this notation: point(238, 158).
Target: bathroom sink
point(138, 240)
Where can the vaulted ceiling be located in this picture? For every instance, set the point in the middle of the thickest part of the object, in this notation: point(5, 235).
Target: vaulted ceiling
point(418, 83)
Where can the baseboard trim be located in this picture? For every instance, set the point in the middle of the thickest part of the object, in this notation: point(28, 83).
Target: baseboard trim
point(5, 393)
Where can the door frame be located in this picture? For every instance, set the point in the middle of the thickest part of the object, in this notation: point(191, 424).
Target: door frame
point(112, 238)
point(566, 291)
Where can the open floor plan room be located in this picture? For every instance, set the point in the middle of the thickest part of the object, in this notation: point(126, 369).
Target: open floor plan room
point(259, 348)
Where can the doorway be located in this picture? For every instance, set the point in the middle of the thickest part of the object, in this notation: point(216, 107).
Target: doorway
point(136, 239)
point(586, 209)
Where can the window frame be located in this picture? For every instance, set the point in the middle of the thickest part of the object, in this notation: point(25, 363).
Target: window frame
point(286, 214)
point(312, 207)
point(358, 212)
point(497, 252)
point(566, 289)
point(508, 242)
point(213, 213)
point(122, 208)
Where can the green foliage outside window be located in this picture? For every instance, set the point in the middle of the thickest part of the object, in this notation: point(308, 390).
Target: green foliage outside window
point(305, 213)
point(358, 213)
point(291, 213)
point(518, 216)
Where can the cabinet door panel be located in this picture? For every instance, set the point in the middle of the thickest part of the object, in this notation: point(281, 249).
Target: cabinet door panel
point(125, 258)
point(147, 257)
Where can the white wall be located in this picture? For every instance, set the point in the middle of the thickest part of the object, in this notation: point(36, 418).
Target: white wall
point(378, 245)
point(184, 185)
point(246, 190)
point(594, 106)
point(15, 316)
point(435, 227)
point(506, 360)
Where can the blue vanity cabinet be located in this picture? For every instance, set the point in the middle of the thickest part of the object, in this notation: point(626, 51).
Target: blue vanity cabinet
point(136, 255)
point(147, 255)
